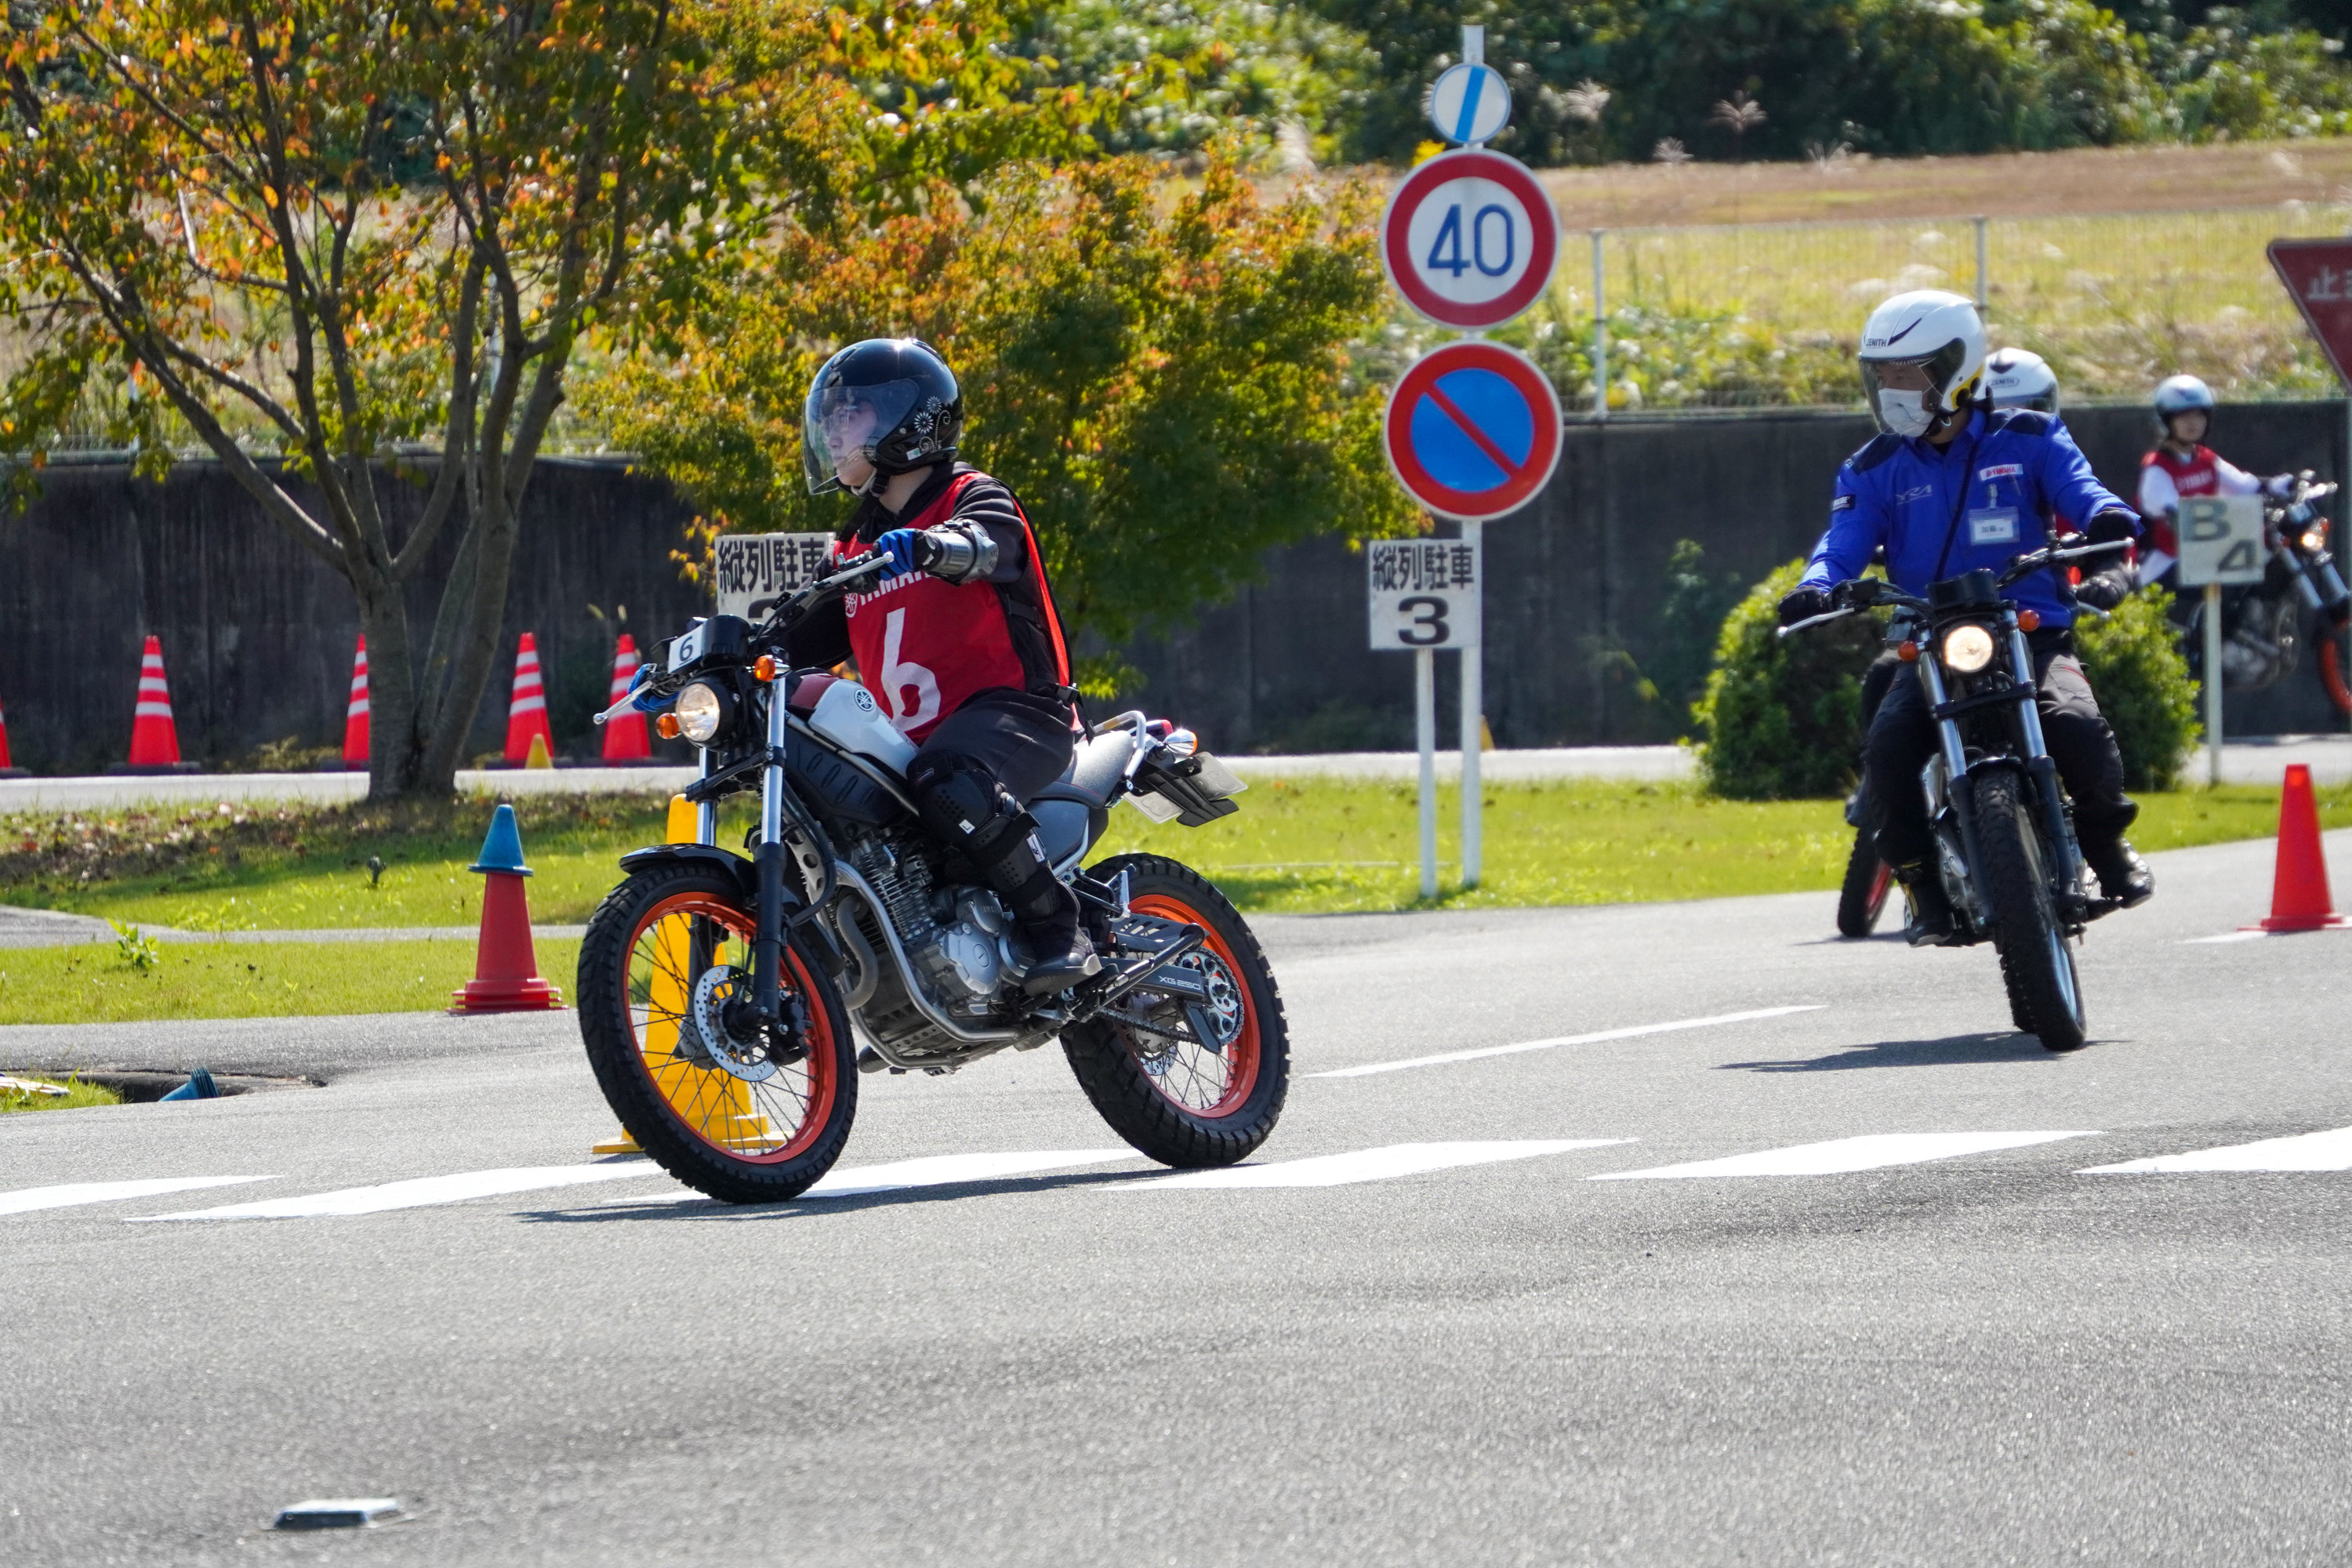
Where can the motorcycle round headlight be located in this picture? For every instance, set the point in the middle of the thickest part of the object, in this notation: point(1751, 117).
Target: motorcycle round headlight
point(1966, 649)
point(701, 713)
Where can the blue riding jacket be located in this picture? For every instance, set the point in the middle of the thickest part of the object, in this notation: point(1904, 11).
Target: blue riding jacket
point(1982, 501)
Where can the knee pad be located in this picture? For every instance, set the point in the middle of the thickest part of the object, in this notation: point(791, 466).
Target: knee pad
point(964, 805)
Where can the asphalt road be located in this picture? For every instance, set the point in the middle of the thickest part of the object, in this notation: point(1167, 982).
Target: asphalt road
point(1471, 1353)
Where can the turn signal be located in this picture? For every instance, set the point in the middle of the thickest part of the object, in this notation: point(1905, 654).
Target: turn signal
point(2029, 620)
point(764, 669)
point(668, 722)
point(1907, 652)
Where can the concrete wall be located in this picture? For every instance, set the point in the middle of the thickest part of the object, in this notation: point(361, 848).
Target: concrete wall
point(257, 635)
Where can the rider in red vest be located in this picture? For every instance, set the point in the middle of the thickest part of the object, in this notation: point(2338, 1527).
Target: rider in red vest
point(958, 640)
point(2180, 466)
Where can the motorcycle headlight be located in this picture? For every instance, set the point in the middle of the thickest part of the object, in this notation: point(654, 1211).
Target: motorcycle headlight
point(1966, 649)
point(2314, 538)
point(702, 711)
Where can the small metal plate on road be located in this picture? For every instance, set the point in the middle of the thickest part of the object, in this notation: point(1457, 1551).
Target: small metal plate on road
point(754, 569)
point(1470, 239)
point(1473, 430)
point(1424, 592)
point(2319, 276)
point(2222, 541)
point(1470, 104)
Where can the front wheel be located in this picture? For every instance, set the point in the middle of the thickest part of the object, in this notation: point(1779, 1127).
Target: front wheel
point(747, 1115)
point(1868, 879)
point(2334, 645)
point(2037, 961)
point(1179, 1097)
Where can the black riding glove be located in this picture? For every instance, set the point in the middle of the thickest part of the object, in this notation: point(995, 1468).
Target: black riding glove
point(1803, 603)
point(2106, 590)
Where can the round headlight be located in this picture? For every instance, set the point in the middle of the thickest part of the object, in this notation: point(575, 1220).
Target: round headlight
point(1966, 649)
point(702, 710)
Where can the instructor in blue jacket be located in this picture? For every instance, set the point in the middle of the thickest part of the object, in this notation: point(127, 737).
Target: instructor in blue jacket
point(1950, 485)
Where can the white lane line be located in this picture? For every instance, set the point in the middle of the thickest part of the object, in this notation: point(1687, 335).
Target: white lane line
point(1592, 1039)
point(1371, 1164)
point(25, 1200)
point(420, 1193)
point(2226, 936)
point(932, 1170)
point(2329, 1150)
point(1842, 1155)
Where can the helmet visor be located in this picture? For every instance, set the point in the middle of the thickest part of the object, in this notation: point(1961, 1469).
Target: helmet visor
point(1939, 368)
point(843, 421)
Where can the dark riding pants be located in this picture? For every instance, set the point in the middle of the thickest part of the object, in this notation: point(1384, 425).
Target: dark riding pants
point(1903, 736)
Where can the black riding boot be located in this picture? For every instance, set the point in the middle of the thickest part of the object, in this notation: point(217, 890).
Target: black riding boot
point(2122, 875)
point(1930, 924)
point(1048, 913)
point(965, 806)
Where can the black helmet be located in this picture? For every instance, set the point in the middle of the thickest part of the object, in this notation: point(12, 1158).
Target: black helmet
point(914, 409)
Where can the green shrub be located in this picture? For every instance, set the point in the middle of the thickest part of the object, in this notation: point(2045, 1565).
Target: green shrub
point(1782, 717)
point(2136, 666)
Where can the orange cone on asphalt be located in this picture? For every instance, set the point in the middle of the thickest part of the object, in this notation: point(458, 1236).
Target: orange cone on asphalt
point(505, 969)
point(2299, 896)
point(154, 739)
point(527, 714)
point(7, 768)
point(625, 740)
point(355, 716)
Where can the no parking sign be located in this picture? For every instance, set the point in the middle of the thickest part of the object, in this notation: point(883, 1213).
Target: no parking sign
point(1473, 430)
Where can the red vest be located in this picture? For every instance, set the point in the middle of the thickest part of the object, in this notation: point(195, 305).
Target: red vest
point(2193, 475)
point(924, 646)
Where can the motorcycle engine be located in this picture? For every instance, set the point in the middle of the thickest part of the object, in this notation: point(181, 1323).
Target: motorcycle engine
point(972, 955)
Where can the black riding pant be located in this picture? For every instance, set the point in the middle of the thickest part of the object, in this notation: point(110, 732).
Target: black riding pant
point(973, 779)
point(1903, 736)
point(1022, 742)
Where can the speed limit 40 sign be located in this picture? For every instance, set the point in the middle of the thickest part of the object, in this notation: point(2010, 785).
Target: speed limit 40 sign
point(1424, 592)
point(1470, 239)
point(2222, 541)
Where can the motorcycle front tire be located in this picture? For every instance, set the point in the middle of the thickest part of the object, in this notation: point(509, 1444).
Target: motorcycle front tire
point(2037, 961)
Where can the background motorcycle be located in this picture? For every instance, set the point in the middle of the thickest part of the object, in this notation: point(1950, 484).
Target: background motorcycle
point(2263, 623)
point(2004, 830)
point(716, 992)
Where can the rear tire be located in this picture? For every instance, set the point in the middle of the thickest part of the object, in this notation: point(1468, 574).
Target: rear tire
point(2037, 961)
point(1175, 1101)
point(1867, 881)
point(740, 1140)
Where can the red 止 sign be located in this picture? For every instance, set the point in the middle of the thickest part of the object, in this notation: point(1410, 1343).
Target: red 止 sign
point(1473, 430)
point(2318, 275)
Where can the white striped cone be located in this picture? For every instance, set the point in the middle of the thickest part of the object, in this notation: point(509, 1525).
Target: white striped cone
point(154, 739)
point(625, 740)
point(527, 712)
point(355, 717)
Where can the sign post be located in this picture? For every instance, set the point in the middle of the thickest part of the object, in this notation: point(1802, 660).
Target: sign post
point(1425, 594)
point(2220, 545)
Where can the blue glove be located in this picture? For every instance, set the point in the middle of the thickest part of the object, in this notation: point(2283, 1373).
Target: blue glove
point(907, 549)
point(638, 683)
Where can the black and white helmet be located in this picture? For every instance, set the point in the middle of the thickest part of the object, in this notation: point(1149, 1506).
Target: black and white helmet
point(1943, 335)
point(2018, 378)
point(898, 400)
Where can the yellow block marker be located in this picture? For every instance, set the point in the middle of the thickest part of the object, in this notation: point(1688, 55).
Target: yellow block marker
point(539, 757)
point(716, 1103)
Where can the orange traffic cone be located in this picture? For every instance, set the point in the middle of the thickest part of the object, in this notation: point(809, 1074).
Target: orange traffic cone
point(527, 714)
point(355, 717)
point(2299, 897)
point(154, 739)
point(505, 969)
point(624, 737)
point(7, 770)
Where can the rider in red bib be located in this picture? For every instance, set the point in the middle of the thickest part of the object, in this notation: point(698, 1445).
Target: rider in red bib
point(2182, 466)
point(960, 640)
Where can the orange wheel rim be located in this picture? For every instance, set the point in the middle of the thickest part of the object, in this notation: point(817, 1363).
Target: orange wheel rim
point(1206, 1083)
point(766, 1123)
point(2334, 649)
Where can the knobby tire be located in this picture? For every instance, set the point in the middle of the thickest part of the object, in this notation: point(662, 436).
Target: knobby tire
point(2037, 963)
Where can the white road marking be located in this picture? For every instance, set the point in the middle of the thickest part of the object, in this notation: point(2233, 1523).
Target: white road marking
point(25, 1200)
point(1592, 1039)
point(932, 1170)
point(1371, 1164)
point(1842, 1154)
point(2329, 1150)
point(420, 1193)
point(2226, 936)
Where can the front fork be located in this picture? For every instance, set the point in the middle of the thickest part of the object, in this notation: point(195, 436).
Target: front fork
point(768, 863)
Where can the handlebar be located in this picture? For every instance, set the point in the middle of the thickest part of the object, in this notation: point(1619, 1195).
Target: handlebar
point(2026, 565)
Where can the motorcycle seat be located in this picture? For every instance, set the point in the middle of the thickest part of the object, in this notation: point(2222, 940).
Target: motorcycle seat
point(1073, 811)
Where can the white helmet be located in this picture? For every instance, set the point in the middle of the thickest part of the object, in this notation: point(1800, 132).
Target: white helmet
point(2018, 378)
point(1939, 332)
point(2180, 394)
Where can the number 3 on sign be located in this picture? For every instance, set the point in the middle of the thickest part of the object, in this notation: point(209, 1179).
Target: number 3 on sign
point(1494, 242)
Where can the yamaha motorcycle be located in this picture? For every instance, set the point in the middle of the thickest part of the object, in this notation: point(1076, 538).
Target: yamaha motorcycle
point(717, 991)
point(2263, 623)
point(2004, 830)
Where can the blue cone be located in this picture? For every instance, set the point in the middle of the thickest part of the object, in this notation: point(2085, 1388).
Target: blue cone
point(502, 847)
point(200, 1086)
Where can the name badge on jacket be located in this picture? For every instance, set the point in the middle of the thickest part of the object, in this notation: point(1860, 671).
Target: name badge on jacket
point(1993, 525)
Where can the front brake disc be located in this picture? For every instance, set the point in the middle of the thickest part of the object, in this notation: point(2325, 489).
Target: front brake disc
point(707, 1016)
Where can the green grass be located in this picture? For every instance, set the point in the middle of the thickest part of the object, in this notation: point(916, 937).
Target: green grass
point(77, 1095)
point(87, 984)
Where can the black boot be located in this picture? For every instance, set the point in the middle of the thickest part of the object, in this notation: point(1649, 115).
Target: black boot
point(1930, 924)
point(1048, 913)
point(2122, 875)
